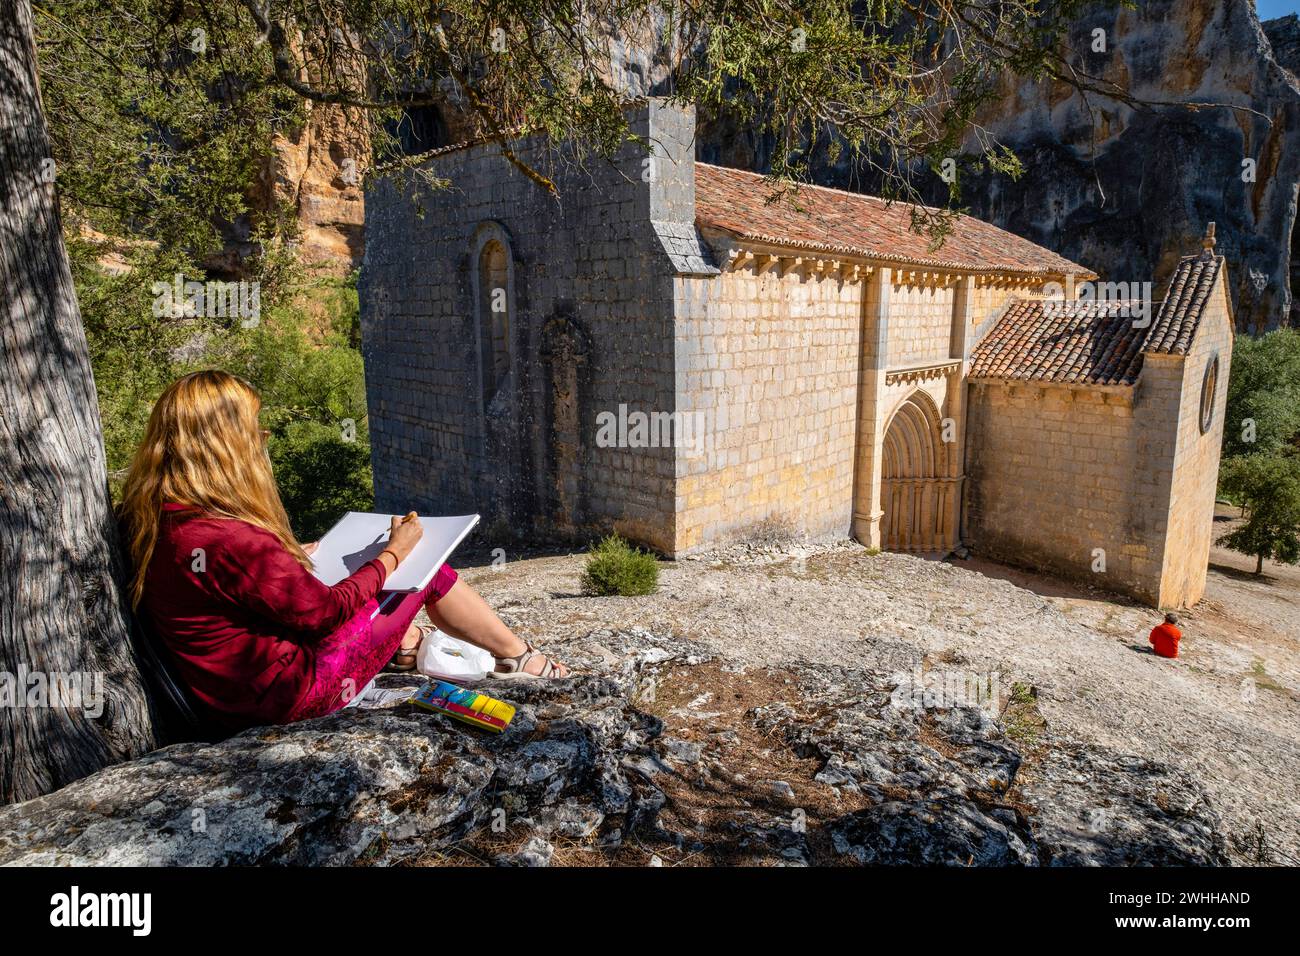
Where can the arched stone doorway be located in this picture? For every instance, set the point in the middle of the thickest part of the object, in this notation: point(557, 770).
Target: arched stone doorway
point(916, 482)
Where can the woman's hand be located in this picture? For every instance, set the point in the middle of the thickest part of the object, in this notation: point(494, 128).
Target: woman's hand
point(404, 534)
point(310, 547)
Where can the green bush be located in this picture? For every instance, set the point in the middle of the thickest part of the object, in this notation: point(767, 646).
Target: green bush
point(617, 568)
point(1263, 413)
point(321, 475)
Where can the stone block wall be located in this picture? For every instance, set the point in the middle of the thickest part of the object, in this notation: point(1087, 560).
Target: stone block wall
point(769, 363)
point(591, 330)
point(1055, 472)
point(1196, 459)
point(920, 323)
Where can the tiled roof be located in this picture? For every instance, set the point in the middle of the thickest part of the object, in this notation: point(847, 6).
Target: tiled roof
point(1180, 314)
point(1074, 342)
point(834, 221)
point(1094, 343)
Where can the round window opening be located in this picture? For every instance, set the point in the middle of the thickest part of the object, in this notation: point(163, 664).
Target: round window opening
point(1208, 387)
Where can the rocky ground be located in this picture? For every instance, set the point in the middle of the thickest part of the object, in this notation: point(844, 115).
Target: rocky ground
point(661, 754)
point(1227, 712)
point(772, 705)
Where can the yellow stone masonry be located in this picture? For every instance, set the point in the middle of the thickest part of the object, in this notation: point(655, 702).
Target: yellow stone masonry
point(834, 399)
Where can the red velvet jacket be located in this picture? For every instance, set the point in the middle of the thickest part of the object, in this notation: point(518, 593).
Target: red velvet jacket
point(241, 615)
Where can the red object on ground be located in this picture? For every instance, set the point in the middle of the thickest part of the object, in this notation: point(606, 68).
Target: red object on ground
point(1164, 638)
point(250, 628)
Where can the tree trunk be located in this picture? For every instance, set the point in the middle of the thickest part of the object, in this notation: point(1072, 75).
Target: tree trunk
point(1259, 564)
point(72, 698)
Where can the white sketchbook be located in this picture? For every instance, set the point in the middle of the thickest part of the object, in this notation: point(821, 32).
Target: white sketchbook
point(360, 536)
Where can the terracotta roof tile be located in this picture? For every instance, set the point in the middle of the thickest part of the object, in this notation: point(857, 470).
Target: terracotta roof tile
point(1094, 343)
point(831, 220)
point(1081, 342)
point(1180, 313)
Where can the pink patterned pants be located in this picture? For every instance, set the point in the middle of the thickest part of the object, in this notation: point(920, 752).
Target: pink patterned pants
point(347, 659)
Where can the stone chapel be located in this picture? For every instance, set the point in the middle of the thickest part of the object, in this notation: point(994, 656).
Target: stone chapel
point(664, 351)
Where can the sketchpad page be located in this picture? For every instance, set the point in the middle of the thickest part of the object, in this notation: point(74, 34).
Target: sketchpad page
point(360, 537)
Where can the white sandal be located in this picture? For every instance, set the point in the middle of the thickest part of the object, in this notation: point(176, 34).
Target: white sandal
point(514, 666)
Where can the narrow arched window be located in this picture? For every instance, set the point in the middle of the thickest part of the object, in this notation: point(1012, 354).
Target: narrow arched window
point(494, 316)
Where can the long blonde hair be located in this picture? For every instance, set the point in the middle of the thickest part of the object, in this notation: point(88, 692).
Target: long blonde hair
point(203, 448)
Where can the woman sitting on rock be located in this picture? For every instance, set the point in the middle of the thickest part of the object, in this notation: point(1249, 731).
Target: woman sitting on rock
point(229, 590)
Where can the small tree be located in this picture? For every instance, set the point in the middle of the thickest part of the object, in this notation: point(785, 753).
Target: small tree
point(1268, 488)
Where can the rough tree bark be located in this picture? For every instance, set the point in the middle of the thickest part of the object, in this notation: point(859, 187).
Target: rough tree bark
point(62, 613)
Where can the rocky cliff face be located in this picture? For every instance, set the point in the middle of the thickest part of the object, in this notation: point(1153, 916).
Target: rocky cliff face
point(317, 174)
point(1127, 191)
point(314, 178)
point(1284, 36)
point(662, 754)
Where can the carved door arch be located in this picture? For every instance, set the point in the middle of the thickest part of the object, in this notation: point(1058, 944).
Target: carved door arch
point(915, 482)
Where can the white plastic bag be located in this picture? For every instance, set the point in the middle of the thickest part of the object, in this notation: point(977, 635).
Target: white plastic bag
point(443, 656)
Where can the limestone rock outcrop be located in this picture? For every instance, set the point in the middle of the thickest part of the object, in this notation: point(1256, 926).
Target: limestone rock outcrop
point(316, 172)
point(1128, 191)
point(1284, 36)
point(590, 772)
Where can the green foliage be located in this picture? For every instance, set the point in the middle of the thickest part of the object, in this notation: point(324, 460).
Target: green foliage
point(1267, 485)
point(615, 567)
point(161, 112)
point(320, 476)
point(344, 308)
point(158, 115)
point(133, 355)
point(298, 356)
point(1021, 717)
point(1263, 394)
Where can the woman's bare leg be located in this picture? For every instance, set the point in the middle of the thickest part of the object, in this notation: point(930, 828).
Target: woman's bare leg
point(463, 614)
point(405, 656)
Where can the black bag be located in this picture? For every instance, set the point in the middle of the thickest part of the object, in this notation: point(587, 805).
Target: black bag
point(181, 717)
